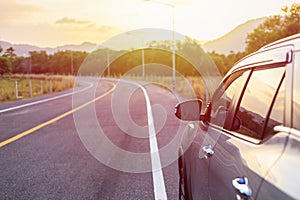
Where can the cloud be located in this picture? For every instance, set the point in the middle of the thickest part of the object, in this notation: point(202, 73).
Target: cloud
point(50, 34)
point(87, 26)
point(181, 2)
point(17, 10)
point(67, 20)
point(107, 29)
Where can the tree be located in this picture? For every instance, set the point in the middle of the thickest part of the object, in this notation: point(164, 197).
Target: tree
point(274, 28)
point(62, 62)
point(1, 49)
point(39, 62)
point(5, 65)
point(225, 62)
point(9, 53)
point(292, 19)
point(20, 65)
point(7, 60)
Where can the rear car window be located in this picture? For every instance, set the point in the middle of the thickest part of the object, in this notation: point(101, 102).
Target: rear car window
point(277, 112)
point(257, 99)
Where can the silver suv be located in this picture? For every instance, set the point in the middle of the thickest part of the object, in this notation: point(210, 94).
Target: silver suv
point(246, 144)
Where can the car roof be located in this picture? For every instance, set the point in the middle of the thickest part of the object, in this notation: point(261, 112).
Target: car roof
point(275, 52)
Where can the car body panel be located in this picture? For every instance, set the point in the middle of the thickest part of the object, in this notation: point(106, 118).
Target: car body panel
point(270, 162)
point(283, 179)
point(235, 158)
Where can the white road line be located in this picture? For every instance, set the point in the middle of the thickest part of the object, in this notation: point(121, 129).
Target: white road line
point(157, 174)
point(45, 100)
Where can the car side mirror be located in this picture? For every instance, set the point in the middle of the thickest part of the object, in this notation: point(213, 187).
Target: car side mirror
point(189, 110)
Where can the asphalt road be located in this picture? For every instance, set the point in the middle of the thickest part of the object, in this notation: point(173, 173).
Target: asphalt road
point(48, 150)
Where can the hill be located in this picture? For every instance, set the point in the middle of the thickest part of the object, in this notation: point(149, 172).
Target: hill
point(233, 40)
point(23, 49)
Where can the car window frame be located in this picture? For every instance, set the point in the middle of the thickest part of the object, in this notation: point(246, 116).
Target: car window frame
point(220, 91)
point(292, 84)
point(237, 105)
point(238, 96)
point(282, 81)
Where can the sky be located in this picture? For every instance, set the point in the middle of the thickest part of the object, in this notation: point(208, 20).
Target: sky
point(51, 23)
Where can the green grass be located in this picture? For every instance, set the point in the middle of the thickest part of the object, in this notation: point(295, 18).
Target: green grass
point(8, 85)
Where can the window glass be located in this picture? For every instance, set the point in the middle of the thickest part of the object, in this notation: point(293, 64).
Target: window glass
point(257, 99)
point(222, 101)
point(296, 92)
point(277, 112)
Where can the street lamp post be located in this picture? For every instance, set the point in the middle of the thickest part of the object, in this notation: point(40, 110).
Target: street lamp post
point(72, 65)
point(173, 41)
point(30, 65)
point(143, 56)
point(143, 63)
point(173, 52)
point(108, 63)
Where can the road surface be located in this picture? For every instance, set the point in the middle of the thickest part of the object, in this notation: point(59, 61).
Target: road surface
point(45, 154)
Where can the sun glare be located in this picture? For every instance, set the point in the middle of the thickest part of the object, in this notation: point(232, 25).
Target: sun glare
point(61, 22)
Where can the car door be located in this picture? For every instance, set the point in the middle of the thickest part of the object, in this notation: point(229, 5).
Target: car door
point(198, 153)
point(245, 148)
point(283, 180)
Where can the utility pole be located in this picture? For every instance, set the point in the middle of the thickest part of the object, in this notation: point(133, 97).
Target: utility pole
point(72, 65)
point(108, 63)
point(173, 41)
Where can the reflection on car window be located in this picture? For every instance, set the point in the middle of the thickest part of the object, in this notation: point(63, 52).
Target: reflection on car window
point(257, 99)
point(277, 112)
point(296, 93)
point(223, 99)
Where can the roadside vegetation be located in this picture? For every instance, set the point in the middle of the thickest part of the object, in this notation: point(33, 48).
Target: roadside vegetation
point(23, 86)
point(56, 69)
point(185, 87)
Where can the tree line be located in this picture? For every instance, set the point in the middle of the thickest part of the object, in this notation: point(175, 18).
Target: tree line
point(39, 62)
point(69, 62)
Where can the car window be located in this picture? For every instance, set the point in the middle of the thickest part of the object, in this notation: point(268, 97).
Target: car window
point(296, 92)
point(223, 99)
point(257, 99)
point(277, 112)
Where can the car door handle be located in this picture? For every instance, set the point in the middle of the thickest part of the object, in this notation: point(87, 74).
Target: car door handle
point(242, 187)
point(208, 151)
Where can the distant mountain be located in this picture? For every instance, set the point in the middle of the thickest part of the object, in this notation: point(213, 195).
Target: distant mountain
point(232, 41)
point(23, 49)
point(86, 46)
point(235, 39)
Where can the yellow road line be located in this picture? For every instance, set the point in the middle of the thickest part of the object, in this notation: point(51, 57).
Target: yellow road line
point(19, 136)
